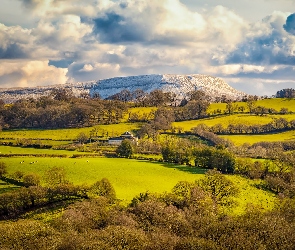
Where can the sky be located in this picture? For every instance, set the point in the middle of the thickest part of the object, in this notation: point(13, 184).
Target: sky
point(250, 44)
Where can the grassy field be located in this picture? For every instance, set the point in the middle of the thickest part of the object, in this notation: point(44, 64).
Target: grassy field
point(131, 177)
point(232, 119)
point(251, 139)
point(141, 111)
point(278, 103)
point(33, 151)
point(68, 134)
point(275, 103)
point(5, 187)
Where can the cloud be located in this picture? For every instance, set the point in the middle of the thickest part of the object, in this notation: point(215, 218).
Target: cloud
point(167, 22)
point(14, 42)
point(12, 51)
point(258, 86)
point(30, 73)
point(94, 39)
point(32, 4)
point(113, 28)
point(290, 24)
point(92, 71)
point(266, 43)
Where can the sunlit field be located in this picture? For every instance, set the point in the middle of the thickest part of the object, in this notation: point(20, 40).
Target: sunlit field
point(251, 139)
point(68, 134)
point(232, 119)
point(131, 177)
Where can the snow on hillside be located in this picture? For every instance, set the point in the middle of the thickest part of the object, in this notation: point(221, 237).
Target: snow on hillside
point(178, 84)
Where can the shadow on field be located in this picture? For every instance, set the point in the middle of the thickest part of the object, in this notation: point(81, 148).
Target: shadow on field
point(184, 168)
point(7, 189)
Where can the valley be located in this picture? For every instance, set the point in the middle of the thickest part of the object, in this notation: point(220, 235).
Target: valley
point(214, 161)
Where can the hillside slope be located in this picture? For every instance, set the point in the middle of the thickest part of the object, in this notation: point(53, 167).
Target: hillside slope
point(178, 84)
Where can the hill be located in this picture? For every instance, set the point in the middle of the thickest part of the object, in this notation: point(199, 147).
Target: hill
point(178, 84)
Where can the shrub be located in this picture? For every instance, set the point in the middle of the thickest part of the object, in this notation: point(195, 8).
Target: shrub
point(3, 169)
point(125, 149)
point(103, 188)
point(31, 180)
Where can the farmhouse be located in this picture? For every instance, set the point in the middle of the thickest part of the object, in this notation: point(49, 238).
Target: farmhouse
point(117, 140)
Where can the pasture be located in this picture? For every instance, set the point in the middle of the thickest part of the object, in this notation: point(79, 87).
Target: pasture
point(278, 103)
point(131, 177)
point(251, 139)
point(7, 150)
point(235, 119)
point(275, 103)
point(68, 134)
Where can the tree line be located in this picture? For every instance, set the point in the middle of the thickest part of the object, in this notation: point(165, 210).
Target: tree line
point(61, 109)
point(276, 125)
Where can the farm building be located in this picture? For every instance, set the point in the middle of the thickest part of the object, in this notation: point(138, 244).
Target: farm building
point(117, 140)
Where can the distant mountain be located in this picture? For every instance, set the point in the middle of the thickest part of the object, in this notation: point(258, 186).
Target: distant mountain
point(178, 84)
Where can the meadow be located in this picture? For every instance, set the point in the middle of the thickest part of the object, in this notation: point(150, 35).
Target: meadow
point(131, 177)
point(235, 119)
point(8, 150)
point(275, 103)
point(68, 134)
point(251, 139)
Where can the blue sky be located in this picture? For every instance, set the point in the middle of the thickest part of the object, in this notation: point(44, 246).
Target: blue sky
point(250, 44)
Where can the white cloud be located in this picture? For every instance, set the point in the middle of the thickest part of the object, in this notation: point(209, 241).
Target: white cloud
point(30, 73)
point(96, 39)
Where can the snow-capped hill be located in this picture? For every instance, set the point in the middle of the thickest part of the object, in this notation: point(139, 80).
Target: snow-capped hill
point(178, 84)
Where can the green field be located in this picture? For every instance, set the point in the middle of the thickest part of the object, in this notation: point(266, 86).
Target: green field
point(278, 103)
point(275, 103)
point(141, 111)
point(251, 139)
point(232, 119)
point(131, 177)
point(5, 187)
point(68, 134)
point(4, 150)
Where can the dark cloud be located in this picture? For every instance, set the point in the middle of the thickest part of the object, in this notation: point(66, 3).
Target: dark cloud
point(12, 51)
point(123, 5)
point(290, 24)
point(115, 28)
point(284, 73)
point(60, 63)
point(32, 4)
point(265, 50)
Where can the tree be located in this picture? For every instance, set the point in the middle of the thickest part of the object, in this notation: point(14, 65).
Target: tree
point(125, 149)
point(3, 169)
point(31, 180)
point(163, 119)
point(55, 176)
point(231, 107)
point(82, 137)
point(221, 188)
point(103, 188)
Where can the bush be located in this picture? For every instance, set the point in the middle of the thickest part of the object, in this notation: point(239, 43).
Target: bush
point(3, 169)
point(31, 180)
point(125, 149)
point(103, 188)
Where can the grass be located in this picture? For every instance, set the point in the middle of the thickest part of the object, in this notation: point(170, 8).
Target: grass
point(278, 103)
point(131, 177)
point(33, 151)
point(147, 111)
point(251, 139)
point(68, 134)
point(275, 103)
point(225, 120)
point(6, 187)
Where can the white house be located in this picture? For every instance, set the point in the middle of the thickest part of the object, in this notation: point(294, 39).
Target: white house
point(117, 140)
